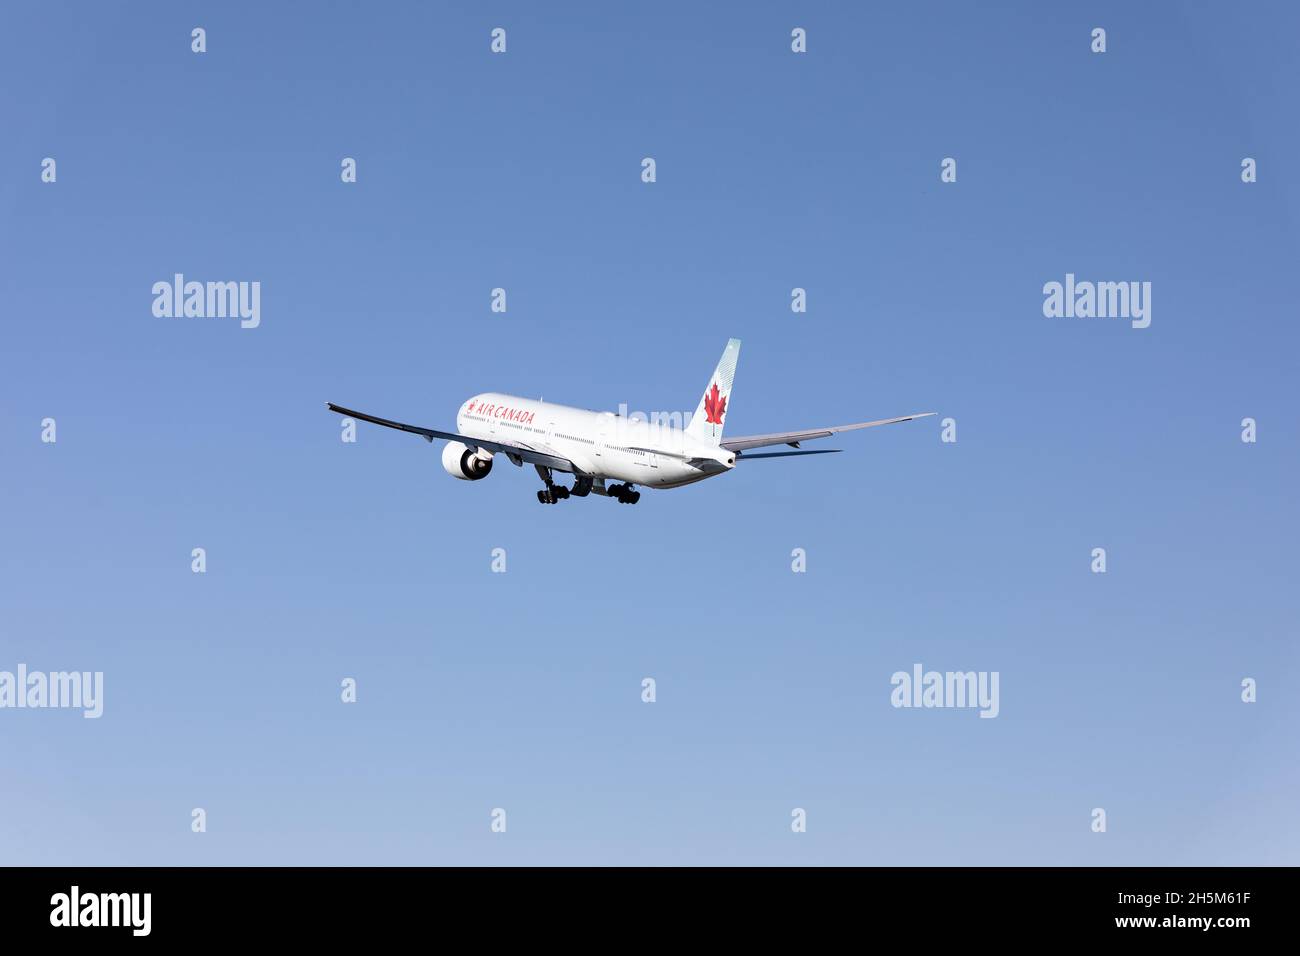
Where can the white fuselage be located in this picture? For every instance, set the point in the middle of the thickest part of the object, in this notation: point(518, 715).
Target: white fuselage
point(600, 444)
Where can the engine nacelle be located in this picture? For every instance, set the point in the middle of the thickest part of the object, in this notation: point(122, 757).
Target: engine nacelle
point(465, 463)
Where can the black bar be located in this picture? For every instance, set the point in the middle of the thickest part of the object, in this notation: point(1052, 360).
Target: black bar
point(539, 906)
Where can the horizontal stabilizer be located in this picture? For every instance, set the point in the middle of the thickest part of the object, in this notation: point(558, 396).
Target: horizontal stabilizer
point(745, 456)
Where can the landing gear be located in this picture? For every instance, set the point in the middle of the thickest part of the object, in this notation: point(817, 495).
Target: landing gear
point(624, 494)
point(552, 492)
point(583, 485)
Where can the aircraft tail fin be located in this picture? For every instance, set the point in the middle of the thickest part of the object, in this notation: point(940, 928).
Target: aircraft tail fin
point(706, 423)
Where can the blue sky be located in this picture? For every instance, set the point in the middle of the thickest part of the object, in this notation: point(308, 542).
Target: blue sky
point(522, 690)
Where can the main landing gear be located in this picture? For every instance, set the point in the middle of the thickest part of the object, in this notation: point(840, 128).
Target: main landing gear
point(582, 486)
point(624, 494)
point(553, 492)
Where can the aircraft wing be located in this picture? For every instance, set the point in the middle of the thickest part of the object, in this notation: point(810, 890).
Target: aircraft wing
point(794, 438)
point(517, 453)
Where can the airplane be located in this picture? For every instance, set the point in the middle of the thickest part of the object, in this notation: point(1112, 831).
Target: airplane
point(605, 453)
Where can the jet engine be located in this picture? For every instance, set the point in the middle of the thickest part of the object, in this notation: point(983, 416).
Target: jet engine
point(465, 463)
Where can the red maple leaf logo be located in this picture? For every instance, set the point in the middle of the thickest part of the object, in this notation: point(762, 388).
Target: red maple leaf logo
point(715, 406)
